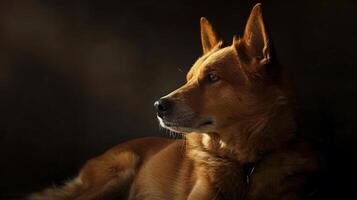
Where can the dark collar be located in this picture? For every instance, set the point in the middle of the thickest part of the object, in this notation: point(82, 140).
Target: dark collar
point(248, 170)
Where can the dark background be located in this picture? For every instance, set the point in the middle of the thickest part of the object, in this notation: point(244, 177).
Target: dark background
point(77, 77)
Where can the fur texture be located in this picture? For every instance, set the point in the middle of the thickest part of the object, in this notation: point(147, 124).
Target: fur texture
point(237, 114)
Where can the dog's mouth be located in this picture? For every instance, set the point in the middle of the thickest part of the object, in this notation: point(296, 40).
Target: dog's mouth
point(187, 126)
point(207, 123)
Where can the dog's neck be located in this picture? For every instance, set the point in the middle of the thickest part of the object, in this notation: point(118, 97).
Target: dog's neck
point(247, 141)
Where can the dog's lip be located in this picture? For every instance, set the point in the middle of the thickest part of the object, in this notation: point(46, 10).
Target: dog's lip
point(168, 123)
point(206, 123)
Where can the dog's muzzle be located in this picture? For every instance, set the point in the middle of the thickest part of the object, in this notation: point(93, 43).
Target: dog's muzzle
point(179, 118)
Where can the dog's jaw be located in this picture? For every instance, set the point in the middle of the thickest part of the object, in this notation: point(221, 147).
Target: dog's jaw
point(206, 126)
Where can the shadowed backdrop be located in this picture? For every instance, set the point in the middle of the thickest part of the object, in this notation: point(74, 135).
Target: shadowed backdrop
point(78, 77)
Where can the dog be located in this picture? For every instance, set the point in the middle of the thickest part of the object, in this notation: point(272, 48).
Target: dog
point(238, 119)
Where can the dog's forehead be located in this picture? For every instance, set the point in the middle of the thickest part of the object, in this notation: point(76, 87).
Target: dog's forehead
point(214, 59)
point(218, 57)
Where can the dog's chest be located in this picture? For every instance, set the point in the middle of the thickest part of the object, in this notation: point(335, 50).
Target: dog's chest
point(222, 179)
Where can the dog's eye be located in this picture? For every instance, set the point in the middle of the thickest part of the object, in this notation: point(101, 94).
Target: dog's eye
point(212, 78)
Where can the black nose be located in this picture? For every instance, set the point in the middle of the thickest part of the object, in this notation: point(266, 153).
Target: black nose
point(163, 106)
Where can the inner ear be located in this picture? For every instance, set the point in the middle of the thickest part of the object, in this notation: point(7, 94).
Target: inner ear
point(255, 37)
point(208, 36)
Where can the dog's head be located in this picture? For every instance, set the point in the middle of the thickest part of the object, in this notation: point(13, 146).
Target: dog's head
point(224, 86)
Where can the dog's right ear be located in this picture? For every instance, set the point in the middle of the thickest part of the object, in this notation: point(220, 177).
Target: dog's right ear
point(208, 36)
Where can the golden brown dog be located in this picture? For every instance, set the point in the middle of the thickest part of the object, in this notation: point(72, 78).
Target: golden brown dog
point(237, 115)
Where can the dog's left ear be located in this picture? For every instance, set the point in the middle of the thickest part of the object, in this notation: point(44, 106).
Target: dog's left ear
point(255, 43)
point(208, 36)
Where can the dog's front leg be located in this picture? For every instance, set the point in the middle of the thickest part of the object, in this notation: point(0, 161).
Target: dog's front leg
point(114, 189)
point(202, 190)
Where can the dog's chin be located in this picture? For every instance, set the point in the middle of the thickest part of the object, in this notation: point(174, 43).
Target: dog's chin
point(205, 126)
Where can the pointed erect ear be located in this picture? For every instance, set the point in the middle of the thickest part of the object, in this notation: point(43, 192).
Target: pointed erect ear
point(208, 36)
point(255, 37)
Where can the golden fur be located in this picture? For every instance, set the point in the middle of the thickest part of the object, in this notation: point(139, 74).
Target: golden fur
point(250, 150)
